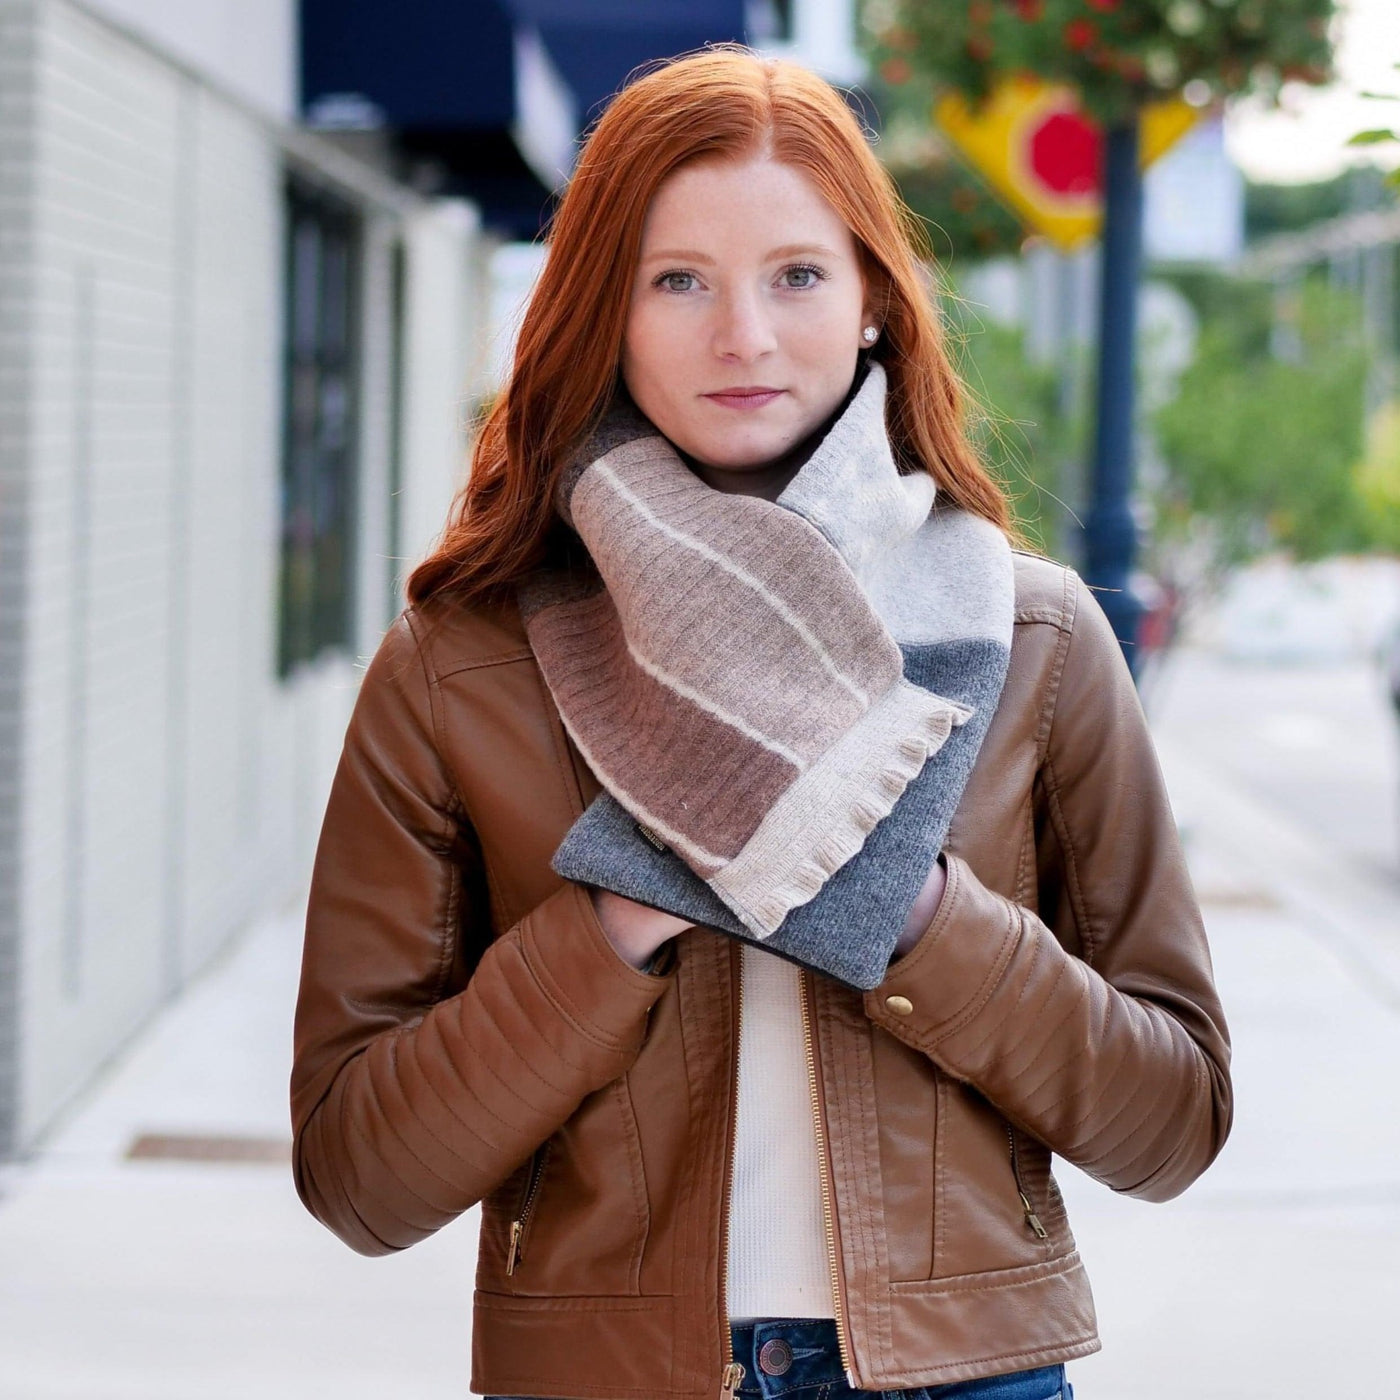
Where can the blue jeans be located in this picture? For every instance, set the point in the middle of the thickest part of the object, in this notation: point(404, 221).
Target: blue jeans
point(799, 1359)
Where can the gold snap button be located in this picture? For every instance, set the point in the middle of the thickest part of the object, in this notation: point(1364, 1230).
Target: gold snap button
point(901, 1006)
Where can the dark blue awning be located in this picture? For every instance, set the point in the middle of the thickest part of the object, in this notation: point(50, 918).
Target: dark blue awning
point(493, 91)
point(596, 45)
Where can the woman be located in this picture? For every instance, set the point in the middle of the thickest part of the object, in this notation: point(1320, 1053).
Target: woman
point(876, 899)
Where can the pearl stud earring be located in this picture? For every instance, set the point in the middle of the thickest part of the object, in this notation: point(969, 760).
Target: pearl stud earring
point(870, 334)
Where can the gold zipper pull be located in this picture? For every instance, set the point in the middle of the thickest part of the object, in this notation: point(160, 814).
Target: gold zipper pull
point(1032, 1219)
point(733, 1378)
point(514, 1246)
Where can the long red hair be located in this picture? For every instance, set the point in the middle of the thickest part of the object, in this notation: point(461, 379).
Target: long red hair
point(724, 101)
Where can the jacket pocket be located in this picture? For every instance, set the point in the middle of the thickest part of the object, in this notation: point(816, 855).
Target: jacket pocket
point(1032, 1167)
point(1028, 1206)
point(501, 1208)
point(985, 1169)
point(576, 1221)
point(524, 1212)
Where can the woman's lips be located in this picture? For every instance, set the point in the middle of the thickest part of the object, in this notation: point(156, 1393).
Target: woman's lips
point(744, 398)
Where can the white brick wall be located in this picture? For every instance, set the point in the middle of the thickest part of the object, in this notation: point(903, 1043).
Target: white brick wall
point(151, 448)
point(158, 784)
point(17, 41)
point(248, 46)
point(444, 358)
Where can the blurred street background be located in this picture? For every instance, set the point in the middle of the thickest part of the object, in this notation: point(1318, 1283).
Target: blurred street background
point(261, 265)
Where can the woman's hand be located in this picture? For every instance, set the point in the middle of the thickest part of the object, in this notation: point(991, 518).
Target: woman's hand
point(925, 907)
point(635, 930)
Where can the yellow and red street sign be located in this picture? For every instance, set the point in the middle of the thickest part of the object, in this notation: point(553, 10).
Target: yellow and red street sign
point(1040, 151)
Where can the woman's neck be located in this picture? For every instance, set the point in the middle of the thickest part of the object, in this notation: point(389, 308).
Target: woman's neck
point(768, 479)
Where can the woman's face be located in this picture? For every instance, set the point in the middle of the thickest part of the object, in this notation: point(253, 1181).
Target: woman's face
point(745, 318)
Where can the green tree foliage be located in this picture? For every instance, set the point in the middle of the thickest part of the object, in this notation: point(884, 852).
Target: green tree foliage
point(1386, 136)
point(1265, 449)
point(1018, 421)
point(1271, 209)
point(964, 218)
point(1242, 304)
point(1378, 478)
point(1120, 54)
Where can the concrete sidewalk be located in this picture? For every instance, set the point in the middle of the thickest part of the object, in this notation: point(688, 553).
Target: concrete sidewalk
point(161, 1279)
point(1277, 1274)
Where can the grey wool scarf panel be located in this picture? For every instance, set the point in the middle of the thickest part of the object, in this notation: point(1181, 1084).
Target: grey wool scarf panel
point(781, 700)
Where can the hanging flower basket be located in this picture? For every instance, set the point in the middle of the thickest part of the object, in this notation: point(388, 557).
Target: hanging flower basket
point(1119, 54)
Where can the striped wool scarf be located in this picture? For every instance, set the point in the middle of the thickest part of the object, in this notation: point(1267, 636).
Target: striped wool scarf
point(781, 700)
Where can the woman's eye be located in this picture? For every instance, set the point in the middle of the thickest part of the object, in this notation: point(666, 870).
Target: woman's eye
point(667, 281)
point(798, 278)
point(810, 276)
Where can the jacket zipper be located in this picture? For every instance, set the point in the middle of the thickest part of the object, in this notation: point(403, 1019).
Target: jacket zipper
point(521, 1222)
point(823, 1162)
point(733, 1374)
point(1032, 1219)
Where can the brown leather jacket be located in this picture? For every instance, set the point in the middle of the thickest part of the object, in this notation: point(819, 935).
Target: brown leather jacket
point(465, 1033)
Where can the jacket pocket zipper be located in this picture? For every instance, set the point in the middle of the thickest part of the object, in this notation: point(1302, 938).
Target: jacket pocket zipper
point(519, 1225)
point(1032, 1219)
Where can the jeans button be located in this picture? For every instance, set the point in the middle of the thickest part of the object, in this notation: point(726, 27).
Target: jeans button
point(775, 1356)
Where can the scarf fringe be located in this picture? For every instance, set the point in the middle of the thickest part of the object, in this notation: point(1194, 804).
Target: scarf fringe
point(762, 913)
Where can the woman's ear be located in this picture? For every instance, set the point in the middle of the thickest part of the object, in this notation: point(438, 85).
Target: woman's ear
point(871, 323)
point(871, 296)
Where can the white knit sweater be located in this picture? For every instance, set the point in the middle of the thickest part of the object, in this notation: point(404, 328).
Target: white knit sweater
point(778, 1265)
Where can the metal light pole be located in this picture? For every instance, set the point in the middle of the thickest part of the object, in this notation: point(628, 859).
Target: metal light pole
point(1110, 532)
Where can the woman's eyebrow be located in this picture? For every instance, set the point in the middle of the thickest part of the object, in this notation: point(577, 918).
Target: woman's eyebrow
point(788, 250)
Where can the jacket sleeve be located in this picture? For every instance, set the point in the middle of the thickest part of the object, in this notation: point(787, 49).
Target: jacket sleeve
point(1119, 1060)
point(429, 1061)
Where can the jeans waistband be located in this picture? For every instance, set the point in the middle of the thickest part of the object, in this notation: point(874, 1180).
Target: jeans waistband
point(800, 1356)
point(782, 1355)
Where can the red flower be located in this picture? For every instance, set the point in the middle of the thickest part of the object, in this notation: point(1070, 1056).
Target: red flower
point(1030, 9)
point(1080, 33)
point(1105, 6)
point(980, 48)
point(980, 12)
point(896, 71)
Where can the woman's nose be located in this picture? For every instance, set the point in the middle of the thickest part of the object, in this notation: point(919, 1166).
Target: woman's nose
point(743, 329)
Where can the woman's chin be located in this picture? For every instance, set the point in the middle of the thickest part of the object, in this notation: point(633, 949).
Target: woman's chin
point(752, 454)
